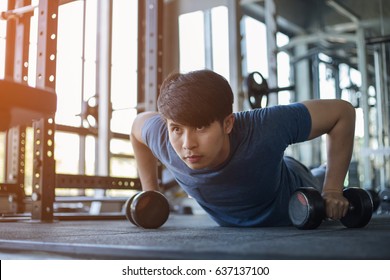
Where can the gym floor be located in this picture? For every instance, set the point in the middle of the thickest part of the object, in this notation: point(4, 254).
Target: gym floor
point(191, 237)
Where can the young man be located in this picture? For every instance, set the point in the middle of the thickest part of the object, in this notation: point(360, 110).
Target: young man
point(233, 164)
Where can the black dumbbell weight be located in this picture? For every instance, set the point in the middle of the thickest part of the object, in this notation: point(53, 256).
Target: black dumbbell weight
point(147, 209)
point(376, 201)
point(360, 209)
point(384, 197)
point(307, 208)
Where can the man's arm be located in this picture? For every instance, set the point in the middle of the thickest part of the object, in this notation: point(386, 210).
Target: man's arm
point(146, 162)
point(336, 118)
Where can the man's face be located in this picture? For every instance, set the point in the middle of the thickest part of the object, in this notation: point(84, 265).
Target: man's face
point(202, 147)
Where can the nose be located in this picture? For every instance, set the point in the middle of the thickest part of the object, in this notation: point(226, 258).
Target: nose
point(189, 140)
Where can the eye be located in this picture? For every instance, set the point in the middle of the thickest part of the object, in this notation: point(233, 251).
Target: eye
point(175, 129)
point(202, 128)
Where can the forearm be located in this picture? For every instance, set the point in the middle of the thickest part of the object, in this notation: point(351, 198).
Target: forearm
point(336, 119)
point(339, 152)
point(146, 165)
point(145, 160)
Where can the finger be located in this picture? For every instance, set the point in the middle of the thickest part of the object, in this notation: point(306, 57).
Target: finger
point(345, 208)
point(335, 210)
point(330, 213)
point(340, 209)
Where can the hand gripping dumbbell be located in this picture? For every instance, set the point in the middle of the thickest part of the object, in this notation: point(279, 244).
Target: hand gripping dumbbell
point(147, 209)
point(307, 208)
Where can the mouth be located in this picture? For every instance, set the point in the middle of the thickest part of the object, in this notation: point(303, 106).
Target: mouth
point(193, 158)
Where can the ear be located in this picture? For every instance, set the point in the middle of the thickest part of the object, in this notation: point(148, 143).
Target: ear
point(228, 123)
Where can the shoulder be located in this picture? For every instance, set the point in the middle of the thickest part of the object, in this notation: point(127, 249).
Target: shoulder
point(140, 121)
point(287, 123)
point(325, 114)
point(272, 112)
point(142, 117)
point(333, 106)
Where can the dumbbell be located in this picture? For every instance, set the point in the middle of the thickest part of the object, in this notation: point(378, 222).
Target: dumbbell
point(384, 197)
point(147, 209)
point(307, 208)
point(376, 200)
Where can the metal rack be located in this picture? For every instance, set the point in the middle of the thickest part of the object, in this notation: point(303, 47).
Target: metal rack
point(45, 180)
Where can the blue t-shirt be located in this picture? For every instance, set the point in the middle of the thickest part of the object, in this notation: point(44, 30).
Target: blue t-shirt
point(253, 186)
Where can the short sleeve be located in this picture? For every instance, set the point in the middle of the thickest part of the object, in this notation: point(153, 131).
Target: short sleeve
point(155, 135)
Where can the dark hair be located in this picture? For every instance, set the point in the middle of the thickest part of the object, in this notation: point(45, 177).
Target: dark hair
point(196, 98)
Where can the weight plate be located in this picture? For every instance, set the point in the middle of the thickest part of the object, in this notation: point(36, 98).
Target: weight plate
point(128, 210)
point(361, 208)
point(384, 198)
point(257, 90)
point(306, 208)
point(150, 209)
point(375, 199)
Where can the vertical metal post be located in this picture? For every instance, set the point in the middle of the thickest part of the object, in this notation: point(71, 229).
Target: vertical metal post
point(235, 53)
point(386, 109)
point(15, 163)
point(362, 66)
point(316, 76)
point(141, 57)
point(170, 38)
point(21, 45)
point(82, 137)
point(336, 73)
point(44, 164)
point(17, 68)
point(103, 84)
point(302, 74)
point(43, 171)
point(153, 52)
point(316, 143)
point(103, 89)
point(303, 91)
point(47, 43)
point(380, 104)
point(208, 39)
point(10, 44)
point(150, 53)
point(271, 25)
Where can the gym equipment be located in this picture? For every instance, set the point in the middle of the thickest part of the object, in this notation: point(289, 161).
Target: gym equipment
point(307, 208)
point(18, 12)
point(258, 90)
point(375, 199)
point(384, 197)
point(20, 104)
point(147, 209)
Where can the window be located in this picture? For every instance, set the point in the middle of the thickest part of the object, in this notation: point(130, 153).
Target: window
point(220, 40)
point(124, 65)
point(192, 41)
point(204, 41)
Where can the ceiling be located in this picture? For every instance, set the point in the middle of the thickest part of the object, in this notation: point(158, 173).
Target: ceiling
point(324, 24)
point(312, 15)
